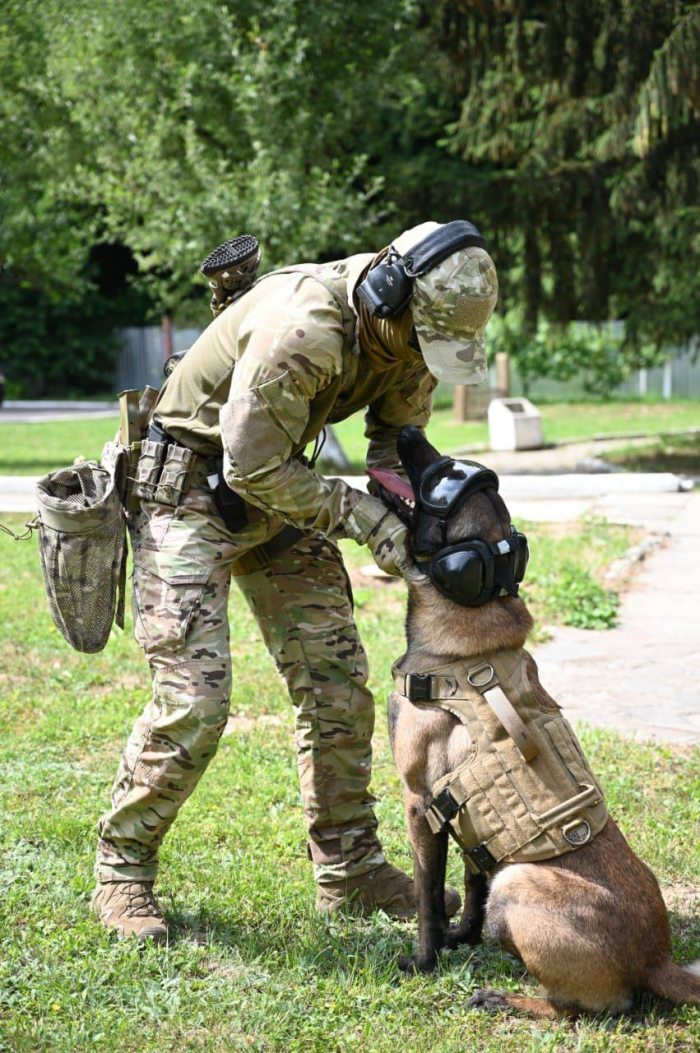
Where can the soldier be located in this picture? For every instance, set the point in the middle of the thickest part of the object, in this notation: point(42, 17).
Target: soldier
point(299, 350)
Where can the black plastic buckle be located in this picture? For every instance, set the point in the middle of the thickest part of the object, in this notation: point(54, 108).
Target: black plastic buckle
point(480, 858)
point(418, 687)
point(445, 805)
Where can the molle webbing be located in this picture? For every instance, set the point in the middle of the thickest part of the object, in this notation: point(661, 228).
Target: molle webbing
point(525, 791)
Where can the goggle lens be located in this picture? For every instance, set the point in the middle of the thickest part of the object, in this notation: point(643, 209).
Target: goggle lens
point(459, 575)
point(447, 481)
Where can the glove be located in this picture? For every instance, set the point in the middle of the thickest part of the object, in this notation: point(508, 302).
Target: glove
point(371, 523)
point(388, 543)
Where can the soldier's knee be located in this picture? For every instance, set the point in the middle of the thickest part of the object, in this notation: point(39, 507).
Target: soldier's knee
point(339, 650)
point(203, 689)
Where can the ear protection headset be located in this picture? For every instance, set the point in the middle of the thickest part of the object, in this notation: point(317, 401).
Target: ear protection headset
point(474, 571)
point(388, 288)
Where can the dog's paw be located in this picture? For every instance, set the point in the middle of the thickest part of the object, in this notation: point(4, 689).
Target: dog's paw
point(456, 937)
point(412, 966)
point(490, 1001)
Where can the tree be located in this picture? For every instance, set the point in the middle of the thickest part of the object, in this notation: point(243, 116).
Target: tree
point(226, 118)
point(585, 225)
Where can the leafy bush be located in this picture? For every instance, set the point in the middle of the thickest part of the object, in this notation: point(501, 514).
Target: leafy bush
point(601, 354)
point(572, 597)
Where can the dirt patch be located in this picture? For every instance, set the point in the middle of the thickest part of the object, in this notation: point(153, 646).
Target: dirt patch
point(682, 899)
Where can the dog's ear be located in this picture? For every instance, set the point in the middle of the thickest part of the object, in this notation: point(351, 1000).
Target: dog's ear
point(395, 492)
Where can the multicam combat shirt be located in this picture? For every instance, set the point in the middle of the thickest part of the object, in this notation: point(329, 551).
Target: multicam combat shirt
point(268, 374)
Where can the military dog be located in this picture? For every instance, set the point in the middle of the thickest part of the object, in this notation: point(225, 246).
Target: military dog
point(590, 924)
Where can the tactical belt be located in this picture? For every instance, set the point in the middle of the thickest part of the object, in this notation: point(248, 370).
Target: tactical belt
point(262, 555)
point(200, 477)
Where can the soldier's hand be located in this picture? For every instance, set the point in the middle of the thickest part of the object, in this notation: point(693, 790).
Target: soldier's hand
point(388, 543)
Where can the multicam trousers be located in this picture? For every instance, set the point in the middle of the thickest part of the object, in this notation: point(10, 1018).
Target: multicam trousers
point(301, 600)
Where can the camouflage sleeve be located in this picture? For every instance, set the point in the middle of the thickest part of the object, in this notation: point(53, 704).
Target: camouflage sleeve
point(289, 350)
point(410, 402)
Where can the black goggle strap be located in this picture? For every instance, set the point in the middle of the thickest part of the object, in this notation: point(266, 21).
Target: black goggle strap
point(503, 565)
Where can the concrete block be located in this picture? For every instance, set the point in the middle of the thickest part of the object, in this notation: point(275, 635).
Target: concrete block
point(514, 424)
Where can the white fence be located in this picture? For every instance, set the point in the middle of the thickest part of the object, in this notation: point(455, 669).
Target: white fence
point(678, 377)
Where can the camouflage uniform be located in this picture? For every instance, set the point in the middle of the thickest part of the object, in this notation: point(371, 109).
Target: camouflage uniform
point(263, 379)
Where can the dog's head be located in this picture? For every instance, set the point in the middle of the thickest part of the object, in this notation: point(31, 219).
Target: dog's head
point(462, 538)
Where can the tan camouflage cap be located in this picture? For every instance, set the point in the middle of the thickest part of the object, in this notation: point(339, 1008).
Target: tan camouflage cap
point(451, 307)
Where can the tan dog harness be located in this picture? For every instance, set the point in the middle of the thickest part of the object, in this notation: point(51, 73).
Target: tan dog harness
point(525, 791)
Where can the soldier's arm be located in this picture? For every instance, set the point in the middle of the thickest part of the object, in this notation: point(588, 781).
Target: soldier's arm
point(408, 403)
point(286, 357)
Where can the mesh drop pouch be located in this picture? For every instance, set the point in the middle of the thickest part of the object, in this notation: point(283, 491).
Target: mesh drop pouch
point(83, 549)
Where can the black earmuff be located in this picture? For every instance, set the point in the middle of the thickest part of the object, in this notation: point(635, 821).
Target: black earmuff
point(388, 288)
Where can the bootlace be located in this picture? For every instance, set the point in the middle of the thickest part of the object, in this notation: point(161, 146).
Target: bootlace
point(141, 902)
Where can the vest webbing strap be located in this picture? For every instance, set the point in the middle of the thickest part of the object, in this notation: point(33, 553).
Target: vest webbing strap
point(443, 690)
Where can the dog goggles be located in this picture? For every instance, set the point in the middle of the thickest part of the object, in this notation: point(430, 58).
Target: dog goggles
point(445, 486)
point(448, 483)
point(475, 571)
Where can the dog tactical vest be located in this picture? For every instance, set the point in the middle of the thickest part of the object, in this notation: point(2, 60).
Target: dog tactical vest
point(525, 792)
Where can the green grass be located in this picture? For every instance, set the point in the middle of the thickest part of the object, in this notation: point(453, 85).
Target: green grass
point(667, 453)
point(250, 966)
point(562, 584)
point(32, 449)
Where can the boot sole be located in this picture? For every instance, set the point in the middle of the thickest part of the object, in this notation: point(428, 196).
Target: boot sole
point(231, 254)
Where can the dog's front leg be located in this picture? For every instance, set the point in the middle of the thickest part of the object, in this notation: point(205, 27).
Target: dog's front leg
point(472, 920)
point(429, 865)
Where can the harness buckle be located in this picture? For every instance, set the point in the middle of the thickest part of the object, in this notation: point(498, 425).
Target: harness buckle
point(418, 687)
point(442, 809)
point(479, 859)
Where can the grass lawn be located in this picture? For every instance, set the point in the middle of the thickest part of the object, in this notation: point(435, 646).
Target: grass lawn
point(667, 453)
point(32, 449)
point(250, 966)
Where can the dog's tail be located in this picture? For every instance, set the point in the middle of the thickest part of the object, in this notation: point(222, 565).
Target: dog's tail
point(671, 981)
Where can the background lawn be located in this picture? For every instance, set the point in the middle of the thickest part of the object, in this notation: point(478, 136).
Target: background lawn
point(250, 966)
point(32, 449)
point(666, 453)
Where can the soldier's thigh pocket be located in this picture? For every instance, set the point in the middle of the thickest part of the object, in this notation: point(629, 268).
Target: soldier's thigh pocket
point(166, 597)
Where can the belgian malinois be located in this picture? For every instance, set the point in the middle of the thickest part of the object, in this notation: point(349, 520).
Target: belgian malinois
point(590, 924)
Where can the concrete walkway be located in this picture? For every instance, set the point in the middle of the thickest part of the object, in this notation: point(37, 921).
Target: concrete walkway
point(40, 411)
point(643, 677)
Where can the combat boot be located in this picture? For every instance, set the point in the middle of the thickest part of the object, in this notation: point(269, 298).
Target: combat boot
point(130, 908)
point(384, 888)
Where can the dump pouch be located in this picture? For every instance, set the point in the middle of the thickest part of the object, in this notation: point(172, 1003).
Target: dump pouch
point(82, 546)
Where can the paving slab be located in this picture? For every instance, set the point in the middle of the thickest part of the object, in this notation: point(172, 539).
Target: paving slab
point(642, 677)
point(17, 493)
